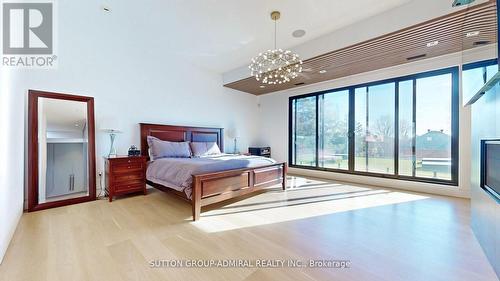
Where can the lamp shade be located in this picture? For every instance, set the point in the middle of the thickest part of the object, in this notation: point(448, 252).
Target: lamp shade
point(233, 133)
point(111, 125)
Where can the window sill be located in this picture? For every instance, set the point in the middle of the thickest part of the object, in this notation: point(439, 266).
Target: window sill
point(376, 175)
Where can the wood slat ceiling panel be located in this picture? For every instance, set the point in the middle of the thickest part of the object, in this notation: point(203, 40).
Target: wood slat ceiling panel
point(393, 49)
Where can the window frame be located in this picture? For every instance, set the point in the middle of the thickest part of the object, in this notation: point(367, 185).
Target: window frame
point(478, 64)
point(475, 65)
point(455, 108)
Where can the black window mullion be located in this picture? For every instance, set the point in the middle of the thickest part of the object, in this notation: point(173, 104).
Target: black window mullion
point(321, 129)
point(396, 130)
point(366, 125)
point(317, 131)
point(295, 134)
point(352, 126)
point(455, 127)
point(414, 130)
point(292, 131)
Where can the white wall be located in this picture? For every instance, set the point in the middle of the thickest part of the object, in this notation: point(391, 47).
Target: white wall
point(11, 157)
point(126, 65)
point(274, 121)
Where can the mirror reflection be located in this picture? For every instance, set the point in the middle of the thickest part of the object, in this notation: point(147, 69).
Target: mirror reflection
point(63, 150)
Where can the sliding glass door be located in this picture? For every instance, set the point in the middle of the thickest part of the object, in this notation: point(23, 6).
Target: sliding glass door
point(425, 127)
point(433, 127)
point(406, 126)
point(374, 128)
point(304, 131)
point(403, 128)
point(334, 130)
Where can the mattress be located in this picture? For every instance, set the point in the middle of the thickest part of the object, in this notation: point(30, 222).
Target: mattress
point(176, 173)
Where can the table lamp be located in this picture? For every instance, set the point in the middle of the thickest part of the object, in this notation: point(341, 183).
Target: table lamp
point(234, 134)
point(112, 127)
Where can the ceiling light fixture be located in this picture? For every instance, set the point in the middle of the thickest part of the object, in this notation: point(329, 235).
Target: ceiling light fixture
point(322, 71)
point(299, 33)
point(416, 57)
point(275, 66)
point(457, 3)
point(432, 44)
point(262, 86)
point(481, 43)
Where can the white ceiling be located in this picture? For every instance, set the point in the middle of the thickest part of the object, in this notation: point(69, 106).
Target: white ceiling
point(64, 115)
point(407, 14)
point(221, 35)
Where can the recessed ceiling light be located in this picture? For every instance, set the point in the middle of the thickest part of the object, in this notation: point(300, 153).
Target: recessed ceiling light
point(472, 34)
point(457, 3)
point(322, 71)
point(481, 43)
point(262, 86)
point(432, 44)
point(298, 33)
point(416, 57)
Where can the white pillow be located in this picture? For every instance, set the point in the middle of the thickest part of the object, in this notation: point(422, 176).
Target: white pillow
point(163, 149)
point(200, 149)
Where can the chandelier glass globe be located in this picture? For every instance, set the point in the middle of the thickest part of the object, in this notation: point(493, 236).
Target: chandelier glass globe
point(275, 66)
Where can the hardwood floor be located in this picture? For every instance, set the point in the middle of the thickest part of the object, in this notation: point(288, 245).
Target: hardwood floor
point(385, 235)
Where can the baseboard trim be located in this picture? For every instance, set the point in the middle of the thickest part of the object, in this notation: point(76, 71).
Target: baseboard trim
point(429, 188)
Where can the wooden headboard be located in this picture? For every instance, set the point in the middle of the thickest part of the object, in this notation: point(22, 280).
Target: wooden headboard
point(180, 133)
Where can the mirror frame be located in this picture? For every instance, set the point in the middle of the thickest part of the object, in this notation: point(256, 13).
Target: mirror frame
point(33, 204)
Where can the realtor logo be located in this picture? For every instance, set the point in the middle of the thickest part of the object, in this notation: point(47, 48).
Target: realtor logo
point(28, 34)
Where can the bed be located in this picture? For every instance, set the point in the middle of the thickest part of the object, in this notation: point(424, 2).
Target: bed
point(211, 180)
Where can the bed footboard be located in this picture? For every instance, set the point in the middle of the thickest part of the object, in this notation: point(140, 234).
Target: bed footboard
point(216, 187)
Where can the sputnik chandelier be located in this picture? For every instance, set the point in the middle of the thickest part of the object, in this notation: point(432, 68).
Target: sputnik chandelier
point(275, 66)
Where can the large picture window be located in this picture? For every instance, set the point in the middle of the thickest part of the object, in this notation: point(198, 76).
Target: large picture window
point(404, 128)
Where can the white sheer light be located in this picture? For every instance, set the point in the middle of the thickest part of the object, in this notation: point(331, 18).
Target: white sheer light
point(275, 66)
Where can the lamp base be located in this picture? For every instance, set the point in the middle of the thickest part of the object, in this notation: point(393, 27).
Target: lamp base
point(235, 150)
point(112, 150)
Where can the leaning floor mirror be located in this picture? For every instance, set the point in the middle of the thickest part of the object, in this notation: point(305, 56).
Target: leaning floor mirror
point(61, 150)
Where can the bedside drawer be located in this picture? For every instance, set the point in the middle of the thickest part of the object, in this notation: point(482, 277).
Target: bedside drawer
point(127, 167)
point(128, 186)
point(128, 177)
point(127, 160)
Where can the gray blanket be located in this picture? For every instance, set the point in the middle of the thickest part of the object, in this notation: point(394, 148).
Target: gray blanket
point(176, 173)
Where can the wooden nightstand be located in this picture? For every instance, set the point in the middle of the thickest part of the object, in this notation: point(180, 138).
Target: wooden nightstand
point(125, 175)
